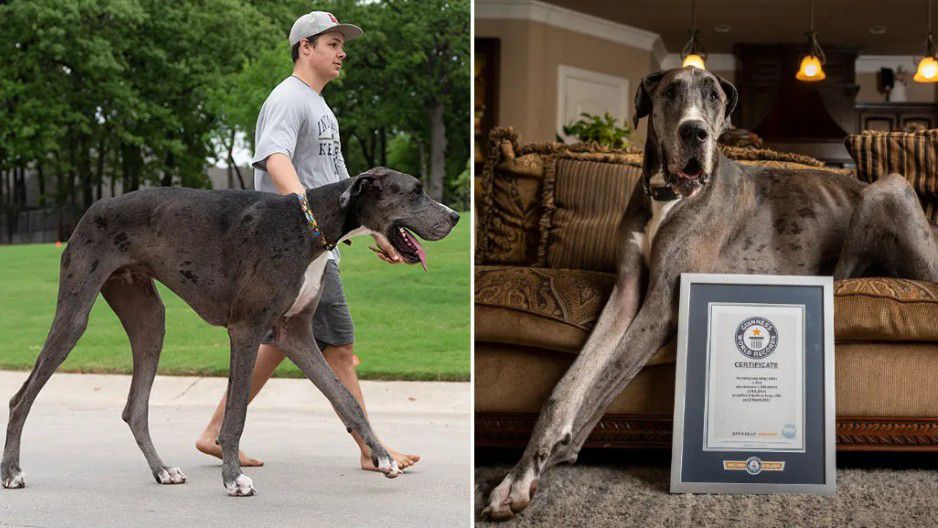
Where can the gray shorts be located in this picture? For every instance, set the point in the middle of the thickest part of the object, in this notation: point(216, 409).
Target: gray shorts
point(332, 322)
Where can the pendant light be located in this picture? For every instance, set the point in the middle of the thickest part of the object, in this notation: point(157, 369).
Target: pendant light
point(811, 69)
point(693, 54)
point(928, 66)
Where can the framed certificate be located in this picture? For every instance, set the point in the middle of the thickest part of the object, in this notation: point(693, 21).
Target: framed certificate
point(754, 390)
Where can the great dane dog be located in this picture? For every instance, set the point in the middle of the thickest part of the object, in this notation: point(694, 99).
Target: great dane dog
point(249, 261)
point(698, 211)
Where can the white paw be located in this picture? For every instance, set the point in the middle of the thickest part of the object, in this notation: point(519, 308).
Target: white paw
point(388, 466)
point(242, 486)
point(510, 497)
point(18, 480)
point(172, 475)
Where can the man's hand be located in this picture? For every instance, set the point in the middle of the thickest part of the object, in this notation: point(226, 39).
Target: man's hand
point(385, 250)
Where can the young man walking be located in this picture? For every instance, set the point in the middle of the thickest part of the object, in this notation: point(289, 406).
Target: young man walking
point(297, 148)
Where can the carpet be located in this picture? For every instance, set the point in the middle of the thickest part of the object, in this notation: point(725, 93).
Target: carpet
point(612, 495)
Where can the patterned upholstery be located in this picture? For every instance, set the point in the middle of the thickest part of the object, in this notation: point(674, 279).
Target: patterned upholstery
point(511, 199)
point(583, 204)
point(864, 309)
point(510, 205)
point(573, 297)
point(912, 154)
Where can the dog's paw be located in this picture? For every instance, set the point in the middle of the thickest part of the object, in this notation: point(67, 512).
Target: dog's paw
point(509, 497)
point(386, 465)
point(389, 467)
point(16, 479)
point(172, 475)
point(242, 486)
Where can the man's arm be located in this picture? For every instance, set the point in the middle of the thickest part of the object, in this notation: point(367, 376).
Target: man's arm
point(283, 174)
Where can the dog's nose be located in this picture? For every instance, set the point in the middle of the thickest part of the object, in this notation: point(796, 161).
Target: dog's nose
point(453, 217)
point(693, 131)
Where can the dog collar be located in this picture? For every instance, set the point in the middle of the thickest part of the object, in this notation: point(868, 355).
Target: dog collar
point(313, 225)
point(661, 194)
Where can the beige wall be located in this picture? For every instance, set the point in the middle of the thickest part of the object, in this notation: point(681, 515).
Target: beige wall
point(530, 55)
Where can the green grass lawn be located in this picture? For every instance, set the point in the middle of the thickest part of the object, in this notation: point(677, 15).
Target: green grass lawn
point(409, 325)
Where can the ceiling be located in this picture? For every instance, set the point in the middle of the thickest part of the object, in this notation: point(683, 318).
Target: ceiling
point(839, 22)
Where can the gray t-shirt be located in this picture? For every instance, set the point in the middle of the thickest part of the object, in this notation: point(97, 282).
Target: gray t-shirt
point(296, 121)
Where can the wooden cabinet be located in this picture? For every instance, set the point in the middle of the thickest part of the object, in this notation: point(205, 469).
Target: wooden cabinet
point(889, 117)
point(778, 107)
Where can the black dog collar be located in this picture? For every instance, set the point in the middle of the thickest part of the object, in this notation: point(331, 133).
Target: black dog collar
point(661, 194)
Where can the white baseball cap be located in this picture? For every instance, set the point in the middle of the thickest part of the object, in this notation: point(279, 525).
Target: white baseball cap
point(316, 22)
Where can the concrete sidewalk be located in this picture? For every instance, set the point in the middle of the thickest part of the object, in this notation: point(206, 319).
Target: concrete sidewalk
point(83, 467)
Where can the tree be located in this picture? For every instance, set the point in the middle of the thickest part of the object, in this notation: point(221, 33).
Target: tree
point(428, 63)
point(128, 93)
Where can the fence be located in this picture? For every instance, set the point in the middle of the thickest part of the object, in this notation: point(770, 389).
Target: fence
point(37, 225)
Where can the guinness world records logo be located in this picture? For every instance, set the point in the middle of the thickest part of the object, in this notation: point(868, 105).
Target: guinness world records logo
point(756, 338)
point(753, 466)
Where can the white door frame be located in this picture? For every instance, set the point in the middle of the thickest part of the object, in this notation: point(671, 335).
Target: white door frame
point(565, 73)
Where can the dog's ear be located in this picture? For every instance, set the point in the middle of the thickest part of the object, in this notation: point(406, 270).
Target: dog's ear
point(731, 97)
point(360, 183)
point(651, 160)
point(643, 96)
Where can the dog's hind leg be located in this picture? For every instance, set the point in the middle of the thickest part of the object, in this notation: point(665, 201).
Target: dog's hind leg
point(295, 339)
point(138, 306)
point(80, 281)
point(889, 234)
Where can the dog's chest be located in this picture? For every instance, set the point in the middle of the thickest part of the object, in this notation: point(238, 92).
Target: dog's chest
point(660, 211)
point(312, 281)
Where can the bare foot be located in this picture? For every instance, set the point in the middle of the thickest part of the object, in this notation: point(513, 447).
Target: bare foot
point(403, 461)
point(207, 445)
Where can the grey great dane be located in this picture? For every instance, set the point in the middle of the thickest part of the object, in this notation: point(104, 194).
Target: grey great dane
point(698, 211)
point(245, 260)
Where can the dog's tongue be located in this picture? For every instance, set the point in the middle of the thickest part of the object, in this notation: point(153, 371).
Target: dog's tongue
point(412, 240)
point(422, 256)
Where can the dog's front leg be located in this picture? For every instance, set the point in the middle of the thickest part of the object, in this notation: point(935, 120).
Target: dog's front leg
point(598, 375)
point(294, 338)
point(244, 342)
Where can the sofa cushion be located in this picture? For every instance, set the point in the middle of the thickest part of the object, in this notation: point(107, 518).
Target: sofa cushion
point(875, 309)
point(556, 309)
point(753, 154)
point(548, 308)
point(872, 379)
point(509, 378)
point(511, 198)
point(584, 199)
point(912, 154)
point(510, 202)
point(931, 209)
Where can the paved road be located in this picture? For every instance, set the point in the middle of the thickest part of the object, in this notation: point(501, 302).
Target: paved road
point(83, 467)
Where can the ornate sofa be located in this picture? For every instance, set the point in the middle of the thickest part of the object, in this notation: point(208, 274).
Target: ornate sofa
point(545, 242)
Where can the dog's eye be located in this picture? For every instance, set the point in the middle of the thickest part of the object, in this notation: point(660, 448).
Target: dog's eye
point(714, 96)
point(670, 93)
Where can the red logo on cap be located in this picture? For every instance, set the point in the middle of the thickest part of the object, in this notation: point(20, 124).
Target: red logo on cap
point(332, 18)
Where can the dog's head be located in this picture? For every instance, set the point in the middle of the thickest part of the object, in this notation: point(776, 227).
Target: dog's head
point(395, 205)
point(688, 108)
